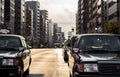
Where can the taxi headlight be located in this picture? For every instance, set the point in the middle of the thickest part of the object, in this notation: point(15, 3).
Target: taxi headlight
point(10, 62)
point(90, 68)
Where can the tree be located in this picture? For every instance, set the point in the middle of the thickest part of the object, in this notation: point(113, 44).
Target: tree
point(110, 27)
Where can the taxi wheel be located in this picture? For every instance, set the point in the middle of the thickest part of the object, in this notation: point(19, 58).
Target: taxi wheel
point(20, 73)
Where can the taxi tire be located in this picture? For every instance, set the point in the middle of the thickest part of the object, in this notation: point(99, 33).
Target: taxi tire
point(20, 74)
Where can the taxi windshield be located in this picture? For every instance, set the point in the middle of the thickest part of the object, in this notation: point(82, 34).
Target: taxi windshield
point(9, 42)
point(108, 43)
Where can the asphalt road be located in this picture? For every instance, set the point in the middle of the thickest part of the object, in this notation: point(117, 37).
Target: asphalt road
point(48, 63)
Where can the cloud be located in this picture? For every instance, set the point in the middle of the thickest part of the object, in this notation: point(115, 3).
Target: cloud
point(61, 11)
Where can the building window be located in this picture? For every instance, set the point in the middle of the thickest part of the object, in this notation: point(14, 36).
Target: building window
point(113, 15)
point(111, 3)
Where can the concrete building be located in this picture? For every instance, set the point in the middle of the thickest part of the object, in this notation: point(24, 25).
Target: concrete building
point(19, 17)
point(29, 24)
point(58, 36)
point(77, 24)
point(79, 16)
point(94, 14)
point(63, 37)
point(42, 30)
point(83, 16)
point(118, 7)
point(104, 12)
point(113, 13)
point(44, 15)
point(1, 12)
point(50, 33)
point(88, 16)
point(9, 15)
point(112, 10)
point(35, 6)
point(55, 31)
point(101, 15)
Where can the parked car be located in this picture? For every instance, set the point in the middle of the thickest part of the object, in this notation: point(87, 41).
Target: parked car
point(15, 55)
point(68, 44)
point(64, 51)
point(95, 55)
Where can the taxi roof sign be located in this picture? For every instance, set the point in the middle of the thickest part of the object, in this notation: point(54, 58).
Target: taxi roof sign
point(4, 31)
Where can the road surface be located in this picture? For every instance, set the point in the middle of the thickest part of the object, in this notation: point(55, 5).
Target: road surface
point(48, 63)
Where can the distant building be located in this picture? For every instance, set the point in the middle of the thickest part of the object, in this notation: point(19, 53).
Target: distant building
point(42, 30)
point(1, 12)
point(44, 25)
point(9, 14)
point(55, 31)
point(29, 24)
point(49, 33)
point(58, 35)
point(19, 17)
point(44, 13)
point(35, 6)
point(63, 36)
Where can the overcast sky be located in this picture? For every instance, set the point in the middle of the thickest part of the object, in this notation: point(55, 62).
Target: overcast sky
point(61, 12)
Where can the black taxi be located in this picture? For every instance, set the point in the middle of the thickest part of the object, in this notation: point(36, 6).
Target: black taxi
point(95, 55)
point(15, 55)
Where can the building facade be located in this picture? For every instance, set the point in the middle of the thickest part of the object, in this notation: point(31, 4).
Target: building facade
point(55, 31)
point(97, 15)
point(42, 31)
point(35, 6)
point(19, 17)
point(93, 16)
point(49, 33)
point(118, 7)
point(44, 26)
point(29, 24)
point(1, 12)
point(83, 16)
point(112, 10)
point(9, 15)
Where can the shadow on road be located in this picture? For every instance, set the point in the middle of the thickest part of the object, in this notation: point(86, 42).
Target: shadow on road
point(35, 75)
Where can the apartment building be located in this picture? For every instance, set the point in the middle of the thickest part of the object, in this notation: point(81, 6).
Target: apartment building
point(82, 16)
point(29, 24)
point(92, 15)
point(19, 17)
point(77, 24)
point(112, 10)
point(44, 26)
point(9, 15)
point(118, 7)
point(113, 15)
point(35, 6)
point(55, 31)
point(1, 12)
point(50, 33)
